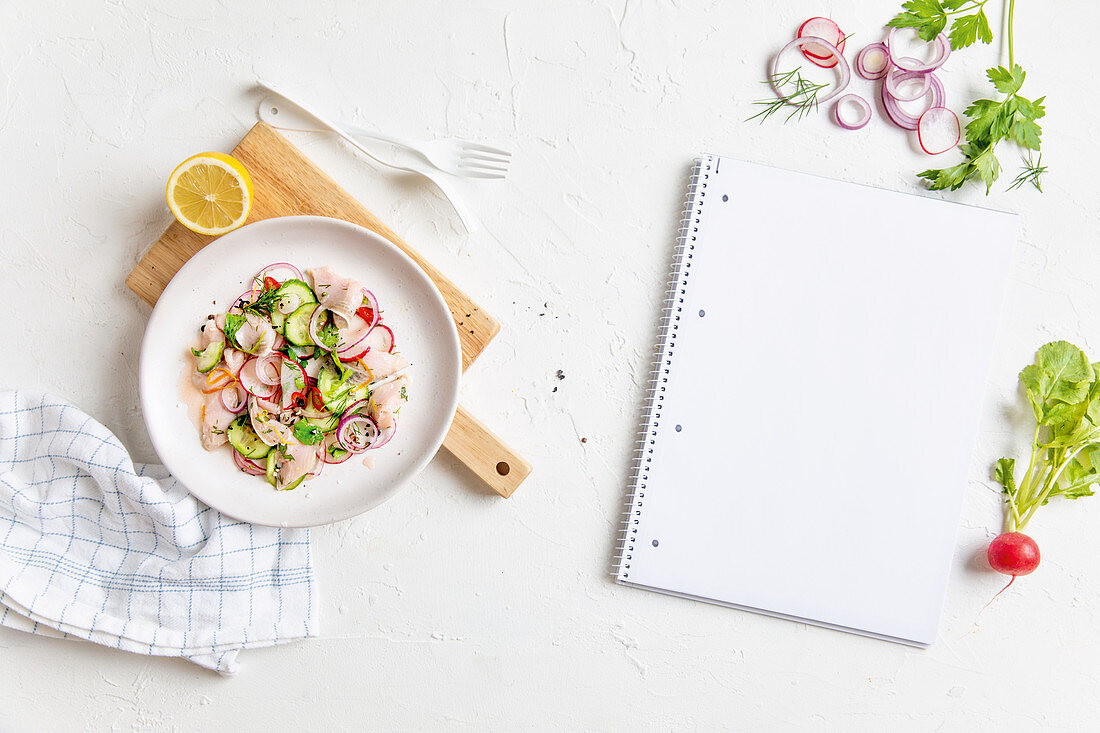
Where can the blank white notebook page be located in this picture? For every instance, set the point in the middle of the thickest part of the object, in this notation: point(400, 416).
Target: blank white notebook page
point(823, 396)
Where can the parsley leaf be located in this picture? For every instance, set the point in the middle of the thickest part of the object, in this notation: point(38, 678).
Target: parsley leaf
point(1007, 81)
point(308, 433)
point(233, 323)
point(329, 335)
point(928, 17)
point(965, 31)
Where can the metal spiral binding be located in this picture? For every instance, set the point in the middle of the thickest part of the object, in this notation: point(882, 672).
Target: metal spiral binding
point(675, 289)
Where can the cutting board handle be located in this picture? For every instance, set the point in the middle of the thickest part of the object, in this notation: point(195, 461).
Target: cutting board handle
point(485, 454)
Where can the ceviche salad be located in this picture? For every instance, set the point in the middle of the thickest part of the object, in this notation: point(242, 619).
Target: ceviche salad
point(298, 373)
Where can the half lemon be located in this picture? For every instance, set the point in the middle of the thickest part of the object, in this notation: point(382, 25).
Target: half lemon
point(210, 193)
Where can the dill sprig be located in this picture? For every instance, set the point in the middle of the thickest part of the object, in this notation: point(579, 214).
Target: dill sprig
point(1032, 172)
point(803, 99)
point(265, 303)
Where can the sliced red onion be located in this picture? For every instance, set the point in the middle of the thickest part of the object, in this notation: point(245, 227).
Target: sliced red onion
point(373, 303)
point(357, 433)
point(938, 130)
point(355, 407)
point(844, 71)
point(234, 398)
point(279, 266)
point(897, 76)
point(248, 466)
point(385, 436)
point(251, 381)
point(822, 28)
point(943, 51)
point(864, 112)
point(315, 327)
point(903, 119)
point(267, 368)
point(865, 65)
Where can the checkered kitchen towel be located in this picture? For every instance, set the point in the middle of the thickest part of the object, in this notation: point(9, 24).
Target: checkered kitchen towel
point(97, 547)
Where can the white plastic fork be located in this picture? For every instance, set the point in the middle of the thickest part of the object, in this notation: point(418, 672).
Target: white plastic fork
point(451, 154)
point(305, 118)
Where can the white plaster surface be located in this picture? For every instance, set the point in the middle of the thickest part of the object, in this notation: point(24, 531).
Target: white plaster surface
point(449, 608)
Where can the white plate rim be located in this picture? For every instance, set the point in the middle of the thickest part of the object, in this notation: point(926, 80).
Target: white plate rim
point(210, 251)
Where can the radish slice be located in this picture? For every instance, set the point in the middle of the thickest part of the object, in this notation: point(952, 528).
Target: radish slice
point(844, 72)
point(941, 53)
point(864, 112)
point(873, 62)
point(353, 335)
point(896, 77)
point(827, 29)
point(938, 130)
point(903, 119)
point(380, 339)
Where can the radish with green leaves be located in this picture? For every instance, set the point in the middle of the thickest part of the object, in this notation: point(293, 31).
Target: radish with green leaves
point(1063, 388)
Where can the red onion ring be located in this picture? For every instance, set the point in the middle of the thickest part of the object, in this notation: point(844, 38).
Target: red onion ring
point(314, 327)
point(385, 436)
point(842, 67)
point(252, 384)
point(861, 62)
point(929, 124)
point(248, 466)
point(267, 369)
point(909, 63)
point(903, 119)
point(865, 112)
point(899, 76)
point(279, 266)
point(354, 441)
point(234, 398)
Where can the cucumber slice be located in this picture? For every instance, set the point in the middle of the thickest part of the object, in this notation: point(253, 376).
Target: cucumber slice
point(299, 288)
point(333, 388)
point(296, 328)
point(209, 357)
point(325, 424)
point(277, 320)
point(272, 458)
point(244, 439)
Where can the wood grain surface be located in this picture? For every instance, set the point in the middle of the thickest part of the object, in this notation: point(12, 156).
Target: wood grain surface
point(287, 183)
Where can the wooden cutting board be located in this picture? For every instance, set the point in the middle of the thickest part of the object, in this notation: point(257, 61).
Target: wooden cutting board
point(287, 183)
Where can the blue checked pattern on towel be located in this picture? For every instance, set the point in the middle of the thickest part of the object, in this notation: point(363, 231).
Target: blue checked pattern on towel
point(97, 547)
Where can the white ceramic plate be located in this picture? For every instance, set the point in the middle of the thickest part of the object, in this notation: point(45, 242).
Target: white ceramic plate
point(208, 282)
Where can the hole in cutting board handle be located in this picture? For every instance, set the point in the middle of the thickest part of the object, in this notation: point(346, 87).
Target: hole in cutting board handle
point(503, 468)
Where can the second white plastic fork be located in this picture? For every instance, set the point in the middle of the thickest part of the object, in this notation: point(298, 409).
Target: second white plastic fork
point(451, 155)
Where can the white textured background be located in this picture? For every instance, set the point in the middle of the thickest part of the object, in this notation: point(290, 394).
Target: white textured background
point(448, 608)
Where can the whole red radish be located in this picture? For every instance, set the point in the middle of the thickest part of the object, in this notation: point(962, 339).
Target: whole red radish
point(1013, 553)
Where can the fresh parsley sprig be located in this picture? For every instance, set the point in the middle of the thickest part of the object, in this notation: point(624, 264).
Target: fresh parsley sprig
point(929, 18)
point(1013, 118)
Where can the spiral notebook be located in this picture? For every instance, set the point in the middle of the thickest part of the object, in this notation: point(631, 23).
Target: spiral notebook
point(815, 400)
